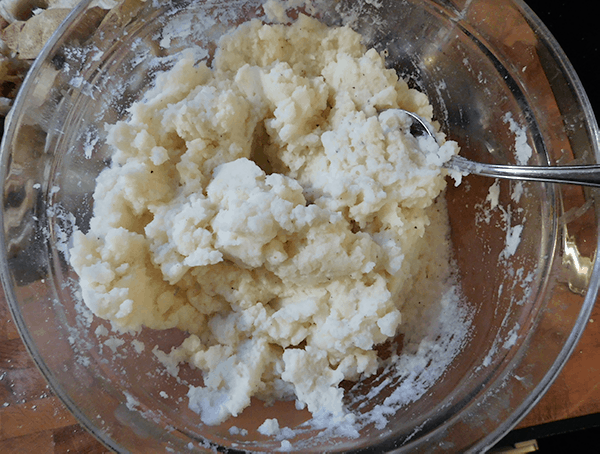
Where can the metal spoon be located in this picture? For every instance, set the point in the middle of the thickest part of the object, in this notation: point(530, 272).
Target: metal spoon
point(586, 175)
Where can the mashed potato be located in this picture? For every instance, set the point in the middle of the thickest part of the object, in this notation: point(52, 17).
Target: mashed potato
point(275, 207)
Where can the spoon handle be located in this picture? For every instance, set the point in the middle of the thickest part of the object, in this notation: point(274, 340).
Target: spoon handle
point(586, 175)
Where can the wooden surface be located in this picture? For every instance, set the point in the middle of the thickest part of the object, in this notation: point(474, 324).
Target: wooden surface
point(576, 391)
point(32, 418)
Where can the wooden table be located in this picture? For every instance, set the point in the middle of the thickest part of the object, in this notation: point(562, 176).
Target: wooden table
point(33, 419)
point(576, 391)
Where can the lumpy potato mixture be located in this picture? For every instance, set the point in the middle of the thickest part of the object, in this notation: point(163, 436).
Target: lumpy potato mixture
point(275, 207)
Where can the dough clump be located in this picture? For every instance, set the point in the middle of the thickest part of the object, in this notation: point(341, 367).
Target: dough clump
point(275, 207)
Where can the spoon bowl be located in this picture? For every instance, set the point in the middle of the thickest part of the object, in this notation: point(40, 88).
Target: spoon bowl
point(584, 175)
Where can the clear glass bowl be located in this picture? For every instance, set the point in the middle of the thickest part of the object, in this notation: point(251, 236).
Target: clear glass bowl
point(497, 80)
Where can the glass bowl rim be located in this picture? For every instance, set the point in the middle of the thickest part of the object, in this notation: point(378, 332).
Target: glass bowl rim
point(543, 34)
